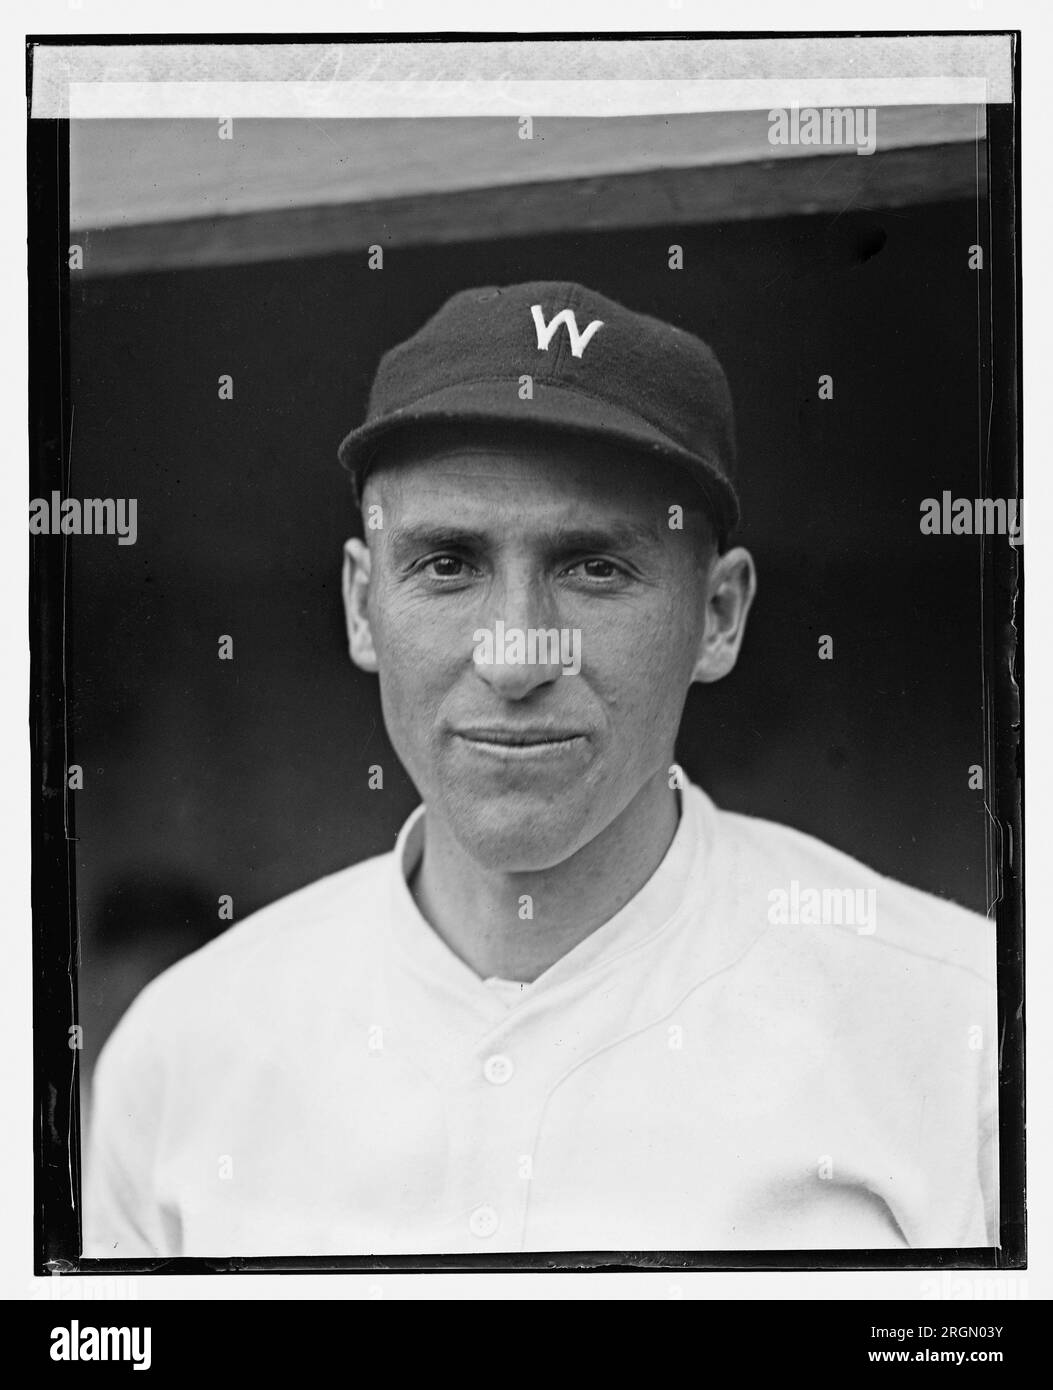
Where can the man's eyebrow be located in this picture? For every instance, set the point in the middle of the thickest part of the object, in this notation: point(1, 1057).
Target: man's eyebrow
point(614, 535)
point(429, 535)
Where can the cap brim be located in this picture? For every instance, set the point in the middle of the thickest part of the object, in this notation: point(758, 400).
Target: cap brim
point(553, 408)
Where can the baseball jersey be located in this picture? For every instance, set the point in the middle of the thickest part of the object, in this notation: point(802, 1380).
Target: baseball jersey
point(770, 1047)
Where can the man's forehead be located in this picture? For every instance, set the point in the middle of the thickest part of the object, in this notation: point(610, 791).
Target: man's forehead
point(545, 475)
point(535, 488)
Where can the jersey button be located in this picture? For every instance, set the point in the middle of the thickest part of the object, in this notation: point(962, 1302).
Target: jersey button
point(483, 1221)
point(498, 1069)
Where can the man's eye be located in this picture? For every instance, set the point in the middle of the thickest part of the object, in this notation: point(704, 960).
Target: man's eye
point(596, 568)
point(444, 567)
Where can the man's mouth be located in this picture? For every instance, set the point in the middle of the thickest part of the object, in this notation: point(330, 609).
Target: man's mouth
point(514, 742)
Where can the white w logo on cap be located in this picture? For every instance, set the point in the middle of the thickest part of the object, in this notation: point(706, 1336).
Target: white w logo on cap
point(545, 331)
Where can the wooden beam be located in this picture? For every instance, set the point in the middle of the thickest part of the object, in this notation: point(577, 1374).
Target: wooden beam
point(130, 172)
point(656, 197)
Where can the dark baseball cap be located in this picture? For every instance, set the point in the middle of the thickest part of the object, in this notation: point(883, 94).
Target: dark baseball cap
point(596, 369)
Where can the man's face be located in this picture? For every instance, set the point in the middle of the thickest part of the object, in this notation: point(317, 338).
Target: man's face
point(523, 760)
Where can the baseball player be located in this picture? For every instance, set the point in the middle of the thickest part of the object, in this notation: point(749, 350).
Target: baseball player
point(578, 1006)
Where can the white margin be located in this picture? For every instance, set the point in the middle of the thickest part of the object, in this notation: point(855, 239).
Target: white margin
point(542, 16)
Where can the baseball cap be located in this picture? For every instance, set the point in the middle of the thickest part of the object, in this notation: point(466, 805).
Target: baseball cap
point(560, 357)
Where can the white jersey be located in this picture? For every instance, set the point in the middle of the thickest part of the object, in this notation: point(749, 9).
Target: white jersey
point(771, 1047)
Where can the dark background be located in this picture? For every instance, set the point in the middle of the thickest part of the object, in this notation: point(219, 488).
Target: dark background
point(249, 777)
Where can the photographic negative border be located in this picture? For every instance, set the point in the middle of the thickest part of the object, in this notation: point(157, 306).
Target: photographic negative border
point(57, 1134)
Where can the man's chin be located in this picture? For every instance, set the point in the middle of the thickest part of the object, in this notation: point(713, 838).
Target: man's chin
point(519, 834)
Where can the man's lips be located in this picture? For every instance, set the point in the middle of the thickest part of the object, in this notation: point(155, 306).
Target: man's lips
point(518, 737)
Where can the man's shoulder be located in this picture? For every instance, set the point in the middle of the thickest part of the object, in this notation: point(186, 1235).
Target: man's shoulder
point(800, 876)
point(297, 935)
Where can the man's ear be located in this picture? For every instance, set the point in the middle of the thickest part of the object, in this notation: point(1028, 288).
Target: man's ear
point(731, 587)
point(355, 585)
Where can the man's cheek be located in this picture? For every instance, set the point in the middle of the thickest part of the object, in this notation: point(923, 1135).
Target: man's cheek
point(643, 689)
point(417, 664)
point(417, 638)
point(644, 660)
point(409, 687)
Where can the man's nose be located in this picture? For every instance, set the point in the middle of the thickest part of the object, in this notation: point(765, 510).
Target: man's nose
point(524, 641)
